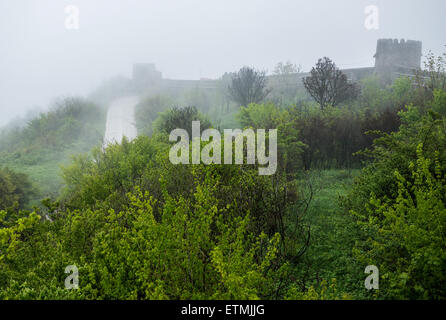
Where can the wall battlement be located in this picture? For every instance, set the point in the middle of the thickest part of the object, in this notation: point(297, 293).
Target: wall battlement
point(393, 55)
point(393, 58)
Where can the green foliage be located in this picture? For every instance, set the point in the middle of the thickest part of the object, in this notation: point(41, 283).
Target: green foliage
point(112, 174)
point(325, 291)
point(248, 86)
point(432, 78)
point(398, 201)
point(138, 227)
point(315, 138)
point(14, 188)
point(263, 116)
point(284, 91)
point(74, 125)
point(332, 234)
point(402, 92)
point(182, 255)
point(180, 118)
point(197, 246)
point(269, 116)
point(439, 104)
point(406, 233)
point(375, 98)
point(397, 150)
point(373, 95)
point(144, 162)
point(147, 111)
point(202, 99)
point(70, 119)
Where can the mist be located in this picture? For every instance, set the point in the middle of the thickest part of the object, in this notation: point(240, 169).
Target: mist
point(41, 60)
point(209, 150)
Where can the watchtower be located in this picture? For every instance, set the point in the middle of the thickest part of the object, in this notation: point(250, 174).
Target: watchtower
point(145, 75)
point(395, 57)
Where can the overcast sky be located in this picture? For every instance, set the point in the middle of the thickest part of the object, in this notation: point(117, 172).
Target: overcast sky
point(40, 59)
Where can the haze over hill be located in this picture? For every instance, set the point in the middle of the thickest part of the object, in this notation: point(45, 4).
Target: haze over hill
point(40, 59)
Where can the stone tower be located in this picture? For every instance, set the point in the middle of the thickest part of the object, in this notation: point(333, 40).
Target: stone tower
point(145, 75)
point(394, 57)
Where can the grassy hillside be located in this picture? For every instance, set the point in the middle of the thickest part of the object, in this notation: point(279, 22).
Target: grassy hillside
point(72, 126)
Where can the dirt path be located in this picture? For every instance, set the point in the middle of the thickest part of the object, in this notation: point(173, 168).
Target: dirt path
point(120, 120)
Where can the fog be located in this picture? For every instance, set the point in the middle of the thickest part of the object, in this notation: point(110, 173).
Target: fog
point(40, 59)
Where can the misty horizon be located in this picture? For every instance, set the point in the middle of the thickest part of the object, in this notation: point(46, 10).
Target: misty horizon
point(41, 60)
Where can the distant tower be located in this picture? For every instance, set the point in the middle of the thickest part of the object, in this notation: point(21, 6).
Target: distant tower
point(394, 57)
point(145, 75)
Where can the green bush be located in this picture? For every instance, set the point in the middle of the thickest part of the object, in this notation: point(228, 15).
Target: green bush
point(406, 235)
point(15, 188)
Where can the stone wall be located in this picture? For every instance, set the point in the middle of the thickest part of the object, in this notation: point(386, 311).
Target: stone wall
point(392, 58)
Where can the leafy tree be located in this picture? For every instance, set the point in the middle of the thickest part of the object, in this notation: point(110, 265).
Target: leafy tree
point(286, 68)
point(312, 138)
point(432, 78)
point(248, 86)
point(14, 188)
point(200, 98)
point(283, 83)
point(395, 151)
point(261, 116)
point(269, 116)
point(328, 85)
point(147, 111)
point(180, 118)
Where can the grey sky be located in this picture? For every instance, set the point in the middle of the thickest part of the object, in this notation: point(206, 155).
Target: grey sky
point(187, 39)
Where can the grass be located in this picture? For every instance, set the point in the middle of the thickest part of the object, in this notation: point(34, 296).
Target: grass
point(45, 174)
point(42, 163)
point(329, 255)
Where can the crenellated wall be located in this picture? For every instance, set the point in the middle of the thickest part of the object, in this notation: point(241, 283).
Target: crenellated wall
point(392, 59)
point(397, 54)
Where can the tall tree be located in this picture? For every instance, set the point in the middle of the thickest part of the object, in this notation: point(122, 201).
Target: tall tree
point(14, 188)
point(329, 85)
point(248, 86)
point(283, 83)
point(180, 118)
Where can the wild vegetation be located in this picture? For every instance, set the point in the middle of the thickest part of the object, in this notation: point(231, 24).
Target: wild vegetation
point(72, 126)
point(328, 85)
point(361, 180)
